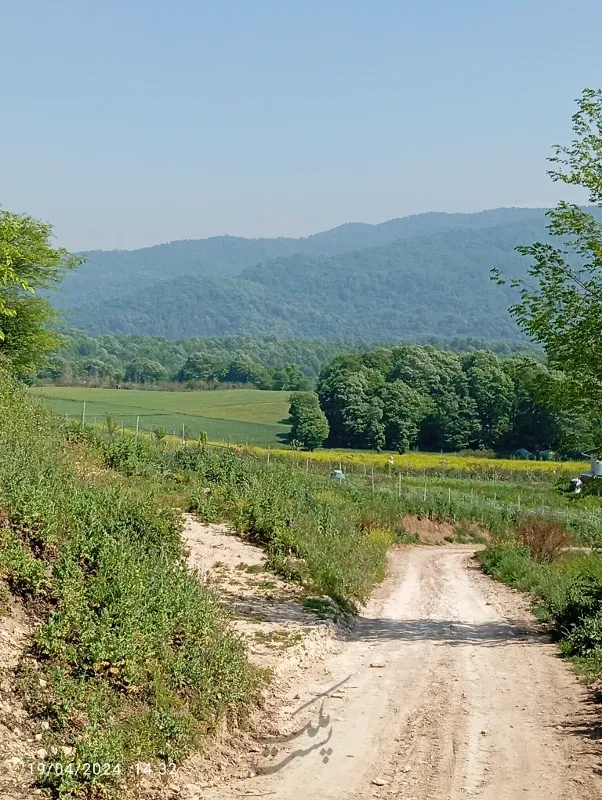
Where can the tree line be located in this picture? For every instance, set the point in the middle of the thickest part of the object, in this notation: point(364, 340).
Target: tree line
point(412, 396)
point(109, 360)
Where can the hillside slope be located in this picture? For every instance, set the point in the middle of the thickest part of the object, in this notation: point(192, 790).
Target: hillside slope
point(113, 274)
point(435, 284)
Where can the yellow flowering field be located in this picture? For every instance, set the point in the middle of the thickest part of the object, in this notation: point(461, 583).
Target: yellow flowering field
point(428, 462)
point(415, 463)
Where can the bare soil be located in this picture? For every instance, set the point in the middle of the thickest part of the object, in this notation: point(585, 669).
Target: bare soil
point(444, 689)
point(428, 530)
point(267, 612)
point(21, 738)
point(435, 531)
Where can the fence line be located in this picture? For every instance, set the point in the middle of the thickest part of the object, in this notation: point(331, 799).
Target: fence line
point(387, 480)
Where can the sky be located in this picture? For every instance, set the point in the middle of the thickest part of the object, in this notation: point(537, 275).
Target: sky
point(126, 123)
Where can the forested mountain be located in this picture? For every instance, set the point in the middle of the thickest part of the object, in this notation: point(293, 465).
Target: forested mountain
point(435, 284)
point(426, 275)
point(121, 273)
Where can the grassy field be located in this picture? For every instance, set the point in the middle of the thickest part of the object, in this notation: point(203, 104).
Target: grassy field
point(256, 417)
point(237, 415)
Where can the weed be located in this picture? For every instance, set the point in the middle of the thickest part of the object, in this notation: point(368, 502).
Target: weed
point(324, 608)
point(568, 592)
point(136, 658)
point(545, 539)
point(252, 569)
point(279, 639)
point(466, 533)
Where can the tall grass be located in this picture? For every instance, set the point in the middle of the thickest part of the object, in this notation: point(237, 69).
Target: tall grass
point(331, 539)
point(137, 662)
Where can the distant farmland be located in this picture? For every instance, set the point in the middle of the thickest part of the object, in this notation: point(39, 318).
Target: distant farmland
point(237, 415)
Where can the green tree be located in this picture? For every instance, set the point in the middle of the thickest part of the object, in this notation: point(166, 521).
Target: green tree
point(534, 422)
point(347, 390)
point(26, 338)
point(452, 422)
point(145, 370)
point(202, 367)
point(492, 390)
point(244, 370)
point(560, 302)
point(452, 425)
point(289, 378)
point(309, 425)
point(404, 410)
point(28, 262)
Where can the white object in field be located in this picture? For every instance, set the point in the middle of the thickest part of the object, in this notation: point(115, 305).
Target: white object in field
point(338, 475)
point(576, 484)
point(596, 468)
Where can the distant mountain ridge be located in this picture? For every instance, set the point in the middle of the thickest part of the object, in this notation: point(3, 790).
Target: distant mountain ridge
point(110, 273)
point(426, 274)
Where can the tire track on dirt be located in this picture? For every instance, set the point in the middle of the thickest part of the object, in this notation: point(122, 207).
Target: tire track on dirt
point(449, 693)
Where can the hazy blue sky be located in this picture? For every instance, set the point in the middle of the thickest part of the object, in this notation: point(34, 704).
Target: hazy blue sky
point(132, 122)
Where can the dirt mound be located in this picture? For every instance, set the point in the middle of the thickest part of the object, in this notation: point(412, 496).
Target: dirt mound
point(429, 531)
point(434, 531)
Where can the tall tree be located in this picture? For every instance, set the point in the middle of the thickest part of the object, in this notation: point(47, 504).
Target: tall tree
point(534, 422)
point(452, 425)
point(346, 391)
point(28, 262)
point(404, 410)
point(560, 302)
point(202, 367)
point(145, 370)
point(492, 390)
point(309, 426)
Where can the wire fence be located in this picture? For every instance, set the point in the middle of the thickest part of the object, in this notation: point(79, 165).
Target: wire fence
point(487, 500)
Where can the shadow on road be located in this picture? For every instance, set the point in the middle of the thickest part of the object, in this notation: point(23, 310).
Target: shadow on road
point(452, 632)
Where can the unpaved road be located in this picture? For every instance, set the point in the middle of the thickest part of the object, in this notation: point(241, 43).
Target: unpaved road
point(470, 701)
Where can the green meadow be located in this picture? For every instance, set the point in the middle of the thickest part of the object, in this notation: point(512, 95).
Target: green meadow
point(235, 415)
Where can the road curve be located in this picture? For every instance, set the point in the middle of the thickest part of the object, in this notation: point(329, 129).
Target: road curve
point(442, 691)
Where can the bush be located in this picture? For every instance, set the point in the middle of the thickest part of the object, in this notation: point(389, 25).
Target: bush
point(545, 539)
point(581, 598)
point(585, 639)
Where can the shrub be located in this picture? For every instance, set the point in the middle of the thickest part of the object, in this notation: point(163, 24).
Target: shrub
point(544, 538)
point(159, 432)
point(585, 639)
point(581, 598)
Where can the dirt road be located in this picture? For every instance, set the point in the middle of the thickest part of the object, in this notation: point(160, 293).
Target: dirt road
point(442, 691)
